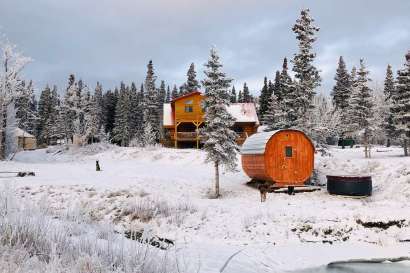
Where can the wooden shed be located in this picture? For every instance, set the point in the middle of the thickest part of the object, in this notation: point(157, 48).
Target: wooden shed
point(25, 141)
point(283, 157)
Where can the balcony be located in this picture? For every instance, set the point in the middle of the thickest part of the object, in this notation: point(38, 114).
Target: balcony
point(192, 136)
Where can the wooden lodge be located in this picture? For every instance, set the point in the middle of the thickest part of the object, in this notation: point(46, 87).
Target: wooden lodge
point(184, 117)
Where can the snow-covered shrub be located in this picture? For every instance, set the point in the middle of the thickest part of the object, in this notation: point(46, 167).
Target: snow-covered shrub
point(32, 241)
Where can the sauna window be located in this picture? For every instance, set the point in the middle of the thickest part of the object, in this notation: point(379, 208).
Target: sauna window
point(288, 151)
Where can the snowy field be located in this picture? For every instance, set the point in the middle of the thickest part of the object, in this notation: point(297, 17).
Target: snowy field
point(166, 191)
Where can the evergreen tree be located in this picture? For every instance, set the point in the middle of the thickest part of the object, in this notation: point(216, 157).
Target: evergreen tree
point(98, 96)
point(341, 91)
point(109, 106)
point(26, 114)
point(168, 95)
point(246, 96)
point(361, 106)
point(122, 133)
point(192, 84)
point(240, 96)
point(276, 87)
point(284, 82)
point(174, 93)
point(401, 102)
point(162, 93)
point(389, 91)
point(264, 99)
point(306, 74)
point(233, 95)
point(72, 108)
point(220, 142)
point(275, 117)
point(152, 109)
point(44, 109)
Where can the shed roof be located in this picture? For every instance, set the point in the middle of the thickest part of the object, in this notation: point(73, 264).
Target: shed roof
point(21, 133)
point(256, 143)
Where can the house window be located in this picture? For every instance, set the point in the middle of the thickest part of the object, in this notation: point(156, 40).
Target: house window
point(188, 106)
point(288, 151)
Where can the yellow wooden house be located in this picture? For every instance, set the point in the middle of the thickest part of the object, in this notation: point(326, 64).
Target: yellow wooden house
point(184, 117)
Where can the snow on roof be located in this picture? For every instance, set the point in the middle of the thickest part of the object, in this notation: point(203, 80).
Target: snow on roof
point(242, 112)
point(21, 133)
point(167, 110)
point(256, 143)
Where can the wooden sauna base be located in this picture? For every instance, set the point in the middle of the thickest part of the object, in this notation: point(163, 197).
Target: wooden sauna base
point(289, 189)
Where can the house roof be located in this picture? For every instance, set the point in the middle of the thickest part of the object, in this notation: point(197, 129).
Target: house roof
point(186, 95)
point(21, 133)
point(242, 112)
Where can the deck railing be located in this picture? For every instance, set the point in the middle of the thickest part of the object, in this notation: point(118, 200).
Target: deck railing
point(193, 136)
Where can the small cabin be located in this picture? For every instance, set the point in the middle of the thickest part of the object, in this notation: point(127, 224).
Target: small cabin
point(25, 140)
point(284, 157)
point(183, 119)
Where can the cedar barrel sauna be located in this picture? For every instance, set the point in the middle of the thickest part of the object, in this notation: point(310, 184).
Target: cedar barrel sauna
point(284, 157)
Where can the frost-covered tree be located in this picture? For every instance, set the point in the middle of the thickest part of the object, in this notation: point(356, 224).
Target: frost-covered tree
point(26, 113)
point(246, 95)
point(233, 95)
point(264, 99)
point(174, 93)
point(275, 116)
point(360, 110)
point(98, 96)
point(341, 90)
point(109, 106)
point(72, 108)
point(307, 77)
point(401, 103)
point(168, 95)
point(44, 115)
point(162, 93)
point(284, 82)
point(240, 96)
point(122, 132)
point(151, 107)
point(220, 144)
point(192, 83)
point(12, 64)
point(389, 91)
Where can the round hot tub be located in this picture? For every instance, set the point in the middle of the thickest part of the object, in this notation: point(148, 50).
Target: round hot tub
point(350, 185)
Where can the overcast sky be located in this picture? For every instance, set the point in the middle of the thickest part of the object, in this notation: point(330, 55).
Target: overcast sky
point(113, 40)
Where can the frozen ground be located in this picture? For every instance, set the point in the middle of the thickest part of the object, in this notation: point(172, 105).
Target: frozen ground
point(166, 191)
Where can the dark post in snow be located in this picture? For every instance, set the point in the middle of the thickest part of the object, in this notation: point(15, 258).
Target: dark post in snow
point(97, 166)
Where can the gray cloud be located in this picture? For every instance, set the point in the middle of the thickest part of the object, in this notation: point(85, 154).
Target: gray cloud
point(109, 41)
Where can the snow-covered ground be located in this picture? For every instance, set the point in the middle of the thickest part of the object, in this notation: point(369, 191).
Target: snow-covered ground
point(166, 191)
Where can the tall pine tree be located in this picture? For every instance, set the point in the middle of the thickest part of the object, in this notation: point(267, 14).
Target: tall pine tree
point(152, 107)
point(264, 99)
point(220, 144)
point(389, 92)
point(341, 90)
point(192, 83)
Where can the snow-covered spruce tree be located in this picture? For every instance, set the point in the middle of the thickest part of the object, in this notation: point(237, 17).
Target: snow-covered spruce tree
point(307, 77)
point(152, 106)
point(122, 132)
point(233, 95)
point(26, 114)
point(401, 103)
point(276, 86)
point(246, 95)
point(72, 109)
point(174, 93)
point(275, 117)
point(161, 93)
point(220, 144)
point(264, 99)
point(98, 95)
point(341, 91)
point(168, 95)
point(44, 112)
point(192, 83)
point(389, 91)
point(240, 96)
point(109, 105)
point(360, 110)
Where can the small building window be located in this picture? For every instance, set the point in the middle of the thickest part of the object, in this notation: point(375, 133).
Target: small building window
point(188, 109)
point(288, 151)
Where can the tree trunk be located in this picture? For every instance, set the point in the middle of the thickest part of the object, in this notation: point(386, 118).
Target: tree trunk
point(405, 147)
point(217, 179)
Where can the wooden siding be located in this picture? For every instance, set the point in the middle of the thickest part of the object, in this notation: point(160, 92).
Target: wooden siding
point(279, 168)
point(196, 115)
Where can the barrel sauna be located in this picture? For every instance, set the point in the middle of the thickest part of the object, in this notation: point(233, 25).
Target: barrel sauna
point(284, 157)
